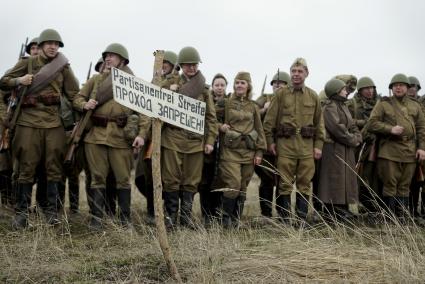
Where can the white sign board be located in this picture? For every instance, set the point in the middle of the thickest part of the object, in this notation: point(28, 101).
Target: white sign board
point(151, 100)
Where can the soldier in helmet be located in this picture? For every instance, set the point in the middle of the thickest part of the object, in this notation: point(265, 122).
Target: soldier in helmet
point(400, 126)
point(342, 137)
point(349, 80)
point(417, 183)
point(106, 145)
point(210, 201)
point(360, 107)
point(143, 173)
point(46, 78)
point(268, 179)
point(182, 151)
point(243, 143)
point(294, 131)
point(32, 47)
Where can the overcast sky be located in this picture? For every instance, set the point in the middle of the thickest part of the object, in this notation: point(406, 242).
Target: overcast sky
point(361, 37)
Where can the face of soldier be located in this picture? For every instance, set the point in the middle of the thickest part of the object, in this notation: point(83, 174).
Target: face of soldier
point(298, 75)
point(399, 89)
point(277, 84)
point(343, 93)
point(167, 67)
point(34, 50)
point(219, 87)
point(112, 60)
point(413, 91)
point(241, 88)
point(367, 92)
point(189, 69)
point(50, 48)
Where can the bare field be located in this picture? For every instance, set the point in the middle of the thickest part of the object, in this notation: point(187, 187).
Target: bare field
point(259, 252)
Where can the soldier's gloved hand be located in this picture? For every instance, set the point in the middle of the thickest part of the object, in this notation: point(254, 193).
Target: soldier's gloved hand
point(174, 87)
point(208, 149)
point(420, 155)
point(224, 127)
point(91, 104)
point(397, 130)
point(272, 149)
point(257, 160)
point(25, 80)
point(317, 154)
point(138, 142)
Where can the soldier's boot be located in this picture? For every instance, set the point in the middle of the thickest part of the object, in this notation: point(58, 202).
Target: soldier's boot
point(52, 201)
point(228, 209)
point(110, 201)
point(124, 201)
point(74, 197)
point(302, 206)
point(150, 206)
point(186, 210)
point(61, 196)
point(390, 204)
point(98, 205)
point(89, 192)
point(205, 205)
point(283, 208)
point(23, 194)
point(171, 202)
point(41, 196)
point(422, 205)
point(240, 204)
point(402, 209)
point(266, 200)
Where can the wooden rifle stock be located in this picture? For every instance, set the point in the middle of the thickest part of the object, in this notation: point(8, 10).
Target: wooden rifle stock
point(76, 135)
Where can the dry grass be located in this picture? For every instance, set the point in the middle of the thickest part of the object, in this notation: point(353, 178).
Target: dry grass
point(257, 253)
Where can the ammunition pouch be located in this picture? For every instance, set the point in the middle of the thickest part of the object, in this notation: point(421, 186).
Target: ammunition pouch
point(102, 121)
point(46, 99)
point(288, 131)
point(308, 131)
point(236, 140)
point(29, 101)
point(49, 99)
point(189, 134)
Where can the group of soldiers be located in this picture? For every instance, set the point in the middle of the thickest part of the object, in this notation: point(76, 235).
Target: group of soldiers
point(363, 151)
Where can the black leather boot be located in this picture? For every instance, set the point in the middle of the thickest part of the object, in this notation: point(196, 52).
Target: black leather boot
point(228, 206)
point(302, 206)
point(53, 198)
point(186, 210)
point(124, 201)
point(23, 195)
point(171, 202)
point(74, 196)
point(266, 200)
point(98, 207)
point(283, 207)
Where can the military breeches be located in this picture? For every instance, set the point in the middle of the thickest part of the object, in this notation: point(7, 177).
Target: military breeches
point(181, 171)
point(300, 171)
point(102, 158)
point(32, 145)
point(396, 177)
point(235, 176)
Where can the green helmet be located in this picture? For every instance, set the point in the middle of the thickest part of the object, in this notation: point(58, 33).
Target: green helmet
point(414, 81)
point(98, 64)
point(399, 78)
point(50, 35)
point(281, 76)
point(170, 57)
point(365, 82)
point(333, 87)
point(31, 43)
point(117, 49)
point(349, 80)
point(188, 54)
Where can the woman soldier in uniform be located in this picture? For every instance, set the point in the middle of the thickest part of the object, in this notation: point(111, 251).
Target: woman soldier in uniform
point(338, 181)
point(210, 201)
point(243, 143)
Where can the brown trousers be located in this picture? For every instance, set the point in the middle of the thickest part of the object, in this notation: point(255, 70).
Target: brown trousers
point(395, 176)
point(300, 171)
